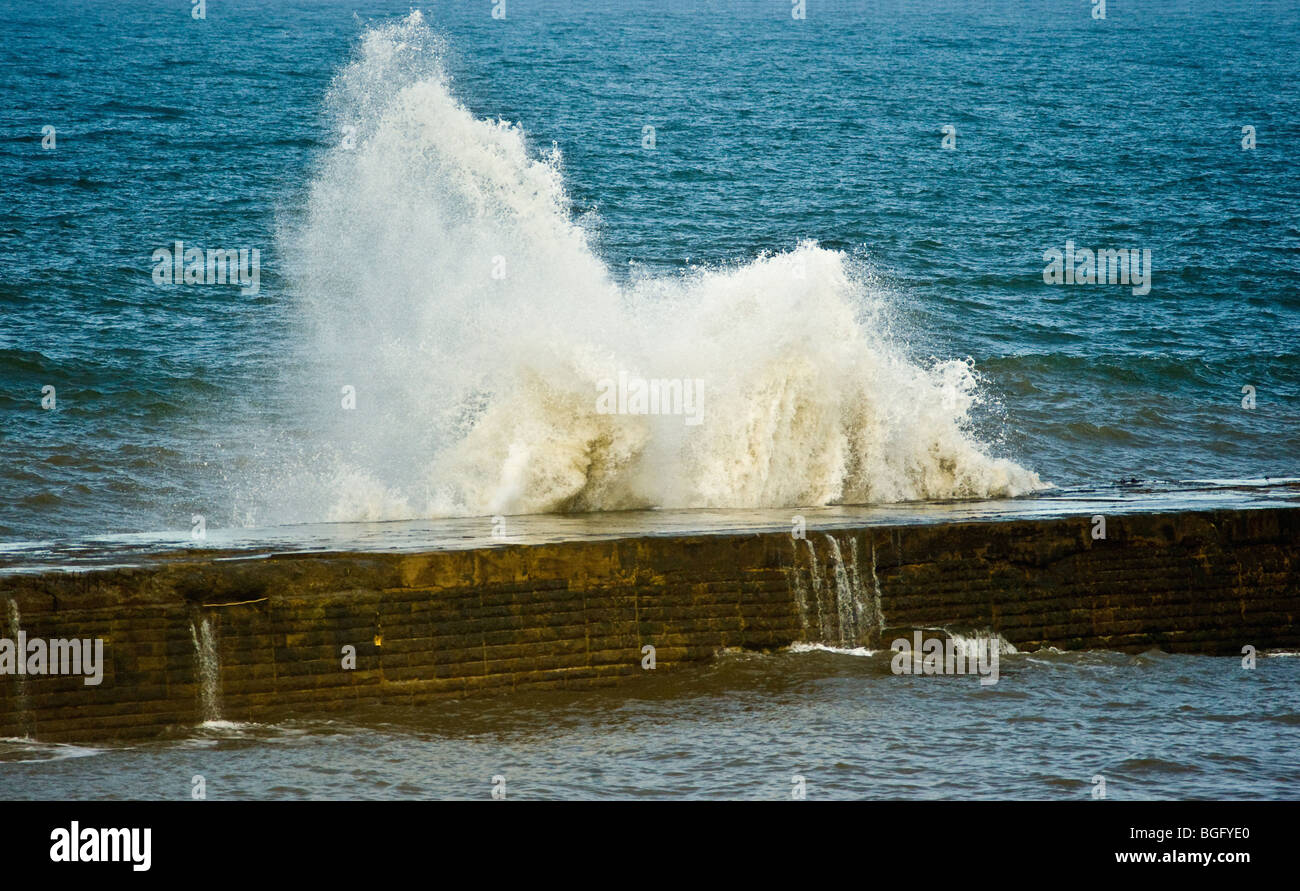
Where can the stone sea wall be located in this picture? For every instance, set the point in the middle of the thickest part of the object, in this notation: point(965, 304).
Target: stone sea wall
point(267, 637)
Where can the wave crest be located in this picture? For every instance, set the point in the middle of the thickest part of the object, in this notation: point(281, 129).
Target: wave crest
point(445, 278)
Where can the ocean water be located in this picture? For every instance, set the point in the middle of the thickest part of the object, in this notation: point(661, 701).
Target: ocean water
point(1154, 726)
point(468, 226)
point(463, 219)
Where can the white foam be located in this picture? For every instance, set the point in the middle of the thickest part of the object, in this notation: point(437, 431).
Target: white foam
point(477, 395)
point(220, 726)
point(973, 644)
point(802, 647)
point(44, 751)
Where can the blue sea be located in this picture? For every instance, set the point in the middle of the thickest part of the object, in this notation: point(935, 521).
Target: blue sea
point(280, 264)
point(769, 133)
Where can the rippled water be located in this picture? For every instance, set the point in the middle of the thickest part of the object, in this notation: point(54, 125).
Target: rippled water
point(1154, 726)
point(1122, 133)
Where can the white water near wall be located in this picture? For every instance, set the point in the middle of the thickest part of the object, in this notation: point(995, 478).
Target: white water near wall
point(23, 703)
point(207, 668)
point(972, 644)
point(838, 611)
point(830, 589)
point(442, 273)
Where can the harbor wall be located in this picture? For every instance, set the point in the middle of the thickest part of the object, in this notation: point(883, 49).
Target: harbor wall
point(265, 637)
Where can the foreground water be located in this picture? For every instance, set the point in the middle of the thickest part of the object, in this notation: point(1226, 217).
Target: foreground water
point(1155, 726)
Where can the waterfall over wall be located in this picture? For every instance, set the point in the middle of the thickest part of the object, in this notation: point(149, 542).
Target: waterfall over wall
point(207, 664)
point(835, 606)
point(20, 681)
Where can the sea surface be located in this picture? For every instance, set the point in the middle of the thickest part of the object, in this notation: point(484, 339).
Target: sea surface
point(769, 133)
point(1153, 726)
point(832, 231)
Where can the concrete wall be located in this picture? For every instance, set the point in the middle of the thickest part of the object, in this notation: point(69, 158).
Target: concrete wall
point(270, 632)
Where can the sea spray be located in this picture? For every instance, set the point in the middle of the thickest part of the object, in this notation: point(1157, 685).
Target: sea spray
point(442, 275)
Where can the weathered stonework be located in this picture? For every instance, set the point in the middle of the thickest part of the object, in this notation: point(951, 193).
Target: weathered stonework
point(573, 614)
